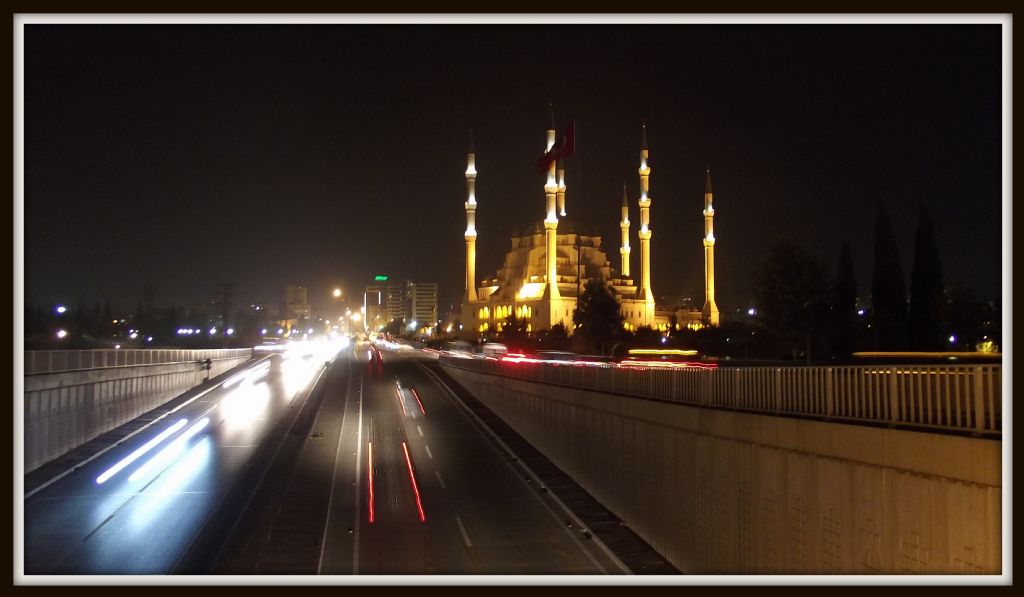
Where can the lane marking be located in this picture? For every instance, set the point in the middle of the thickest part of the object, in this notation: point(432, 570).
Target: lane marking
point(429, 455)
point(440, 480)
point(334, 473)
point(420, 430)
point(465, 535)
point(359, 461)
point(412, 479)
point(487, 431)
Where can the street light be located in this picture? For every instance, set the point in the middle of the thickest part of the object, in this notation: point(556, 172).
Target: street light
point(337, 292)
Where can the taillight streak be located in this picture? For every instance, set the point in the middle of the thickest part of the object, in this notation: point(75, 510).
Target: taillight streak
point(417, 396)
point(369, 451)
point(412, 478)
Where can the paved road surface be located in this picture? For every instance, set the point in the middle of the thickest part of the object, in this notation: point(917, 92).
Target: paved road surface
point(415, 488)
point(141, 518)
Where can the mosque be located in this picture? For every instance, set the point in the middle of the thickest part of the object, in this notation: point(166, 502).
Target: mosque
point(546, 267)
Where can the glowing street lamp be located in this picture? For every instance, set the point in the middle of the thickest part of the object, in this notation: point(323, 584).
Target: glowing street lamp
point(61, 309)
point(62, 334)
point(337, 292)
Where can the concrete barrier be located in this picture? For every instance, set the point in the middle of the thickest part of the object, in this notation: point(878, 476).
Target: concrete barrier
point(724, 491)
point(65, 408)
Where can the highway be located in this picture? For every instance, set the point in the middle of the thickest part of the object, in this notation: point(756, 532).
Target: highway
point(137, 507)
point(414, 488)
point(311, 461)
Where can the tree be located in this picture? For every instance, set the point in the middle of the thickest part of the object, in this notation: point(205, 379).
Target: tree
point(513, 332)
point(926, 289)
point(598, 317)
point(844, 316)
point(967, 317)
point(888, 290)
point(556, 338)
point(791, 292)
point(395, 327)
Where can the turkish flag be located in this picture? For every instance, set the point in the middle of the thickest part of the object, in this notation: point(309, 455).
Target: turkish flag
point(565, 145)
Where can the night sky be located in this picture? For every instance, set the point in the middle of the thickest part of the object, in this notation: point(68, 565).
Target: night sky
point(187, 155)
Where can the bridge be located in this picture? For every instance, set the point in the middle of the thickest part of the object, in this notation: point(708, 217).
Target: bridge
point(331, 459)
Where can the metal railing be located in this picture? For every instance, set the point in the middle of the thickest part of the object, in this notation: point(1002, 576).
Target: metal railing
point(56, 361)
point(940, 397)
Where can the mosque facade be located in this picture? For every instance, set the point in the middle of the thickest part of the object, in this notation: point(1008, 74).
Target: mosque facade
point(547, 266)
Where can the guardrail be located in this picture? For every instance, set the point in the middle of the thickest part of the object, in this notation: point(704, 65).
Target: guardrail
point(939, 397)
point(56, 361)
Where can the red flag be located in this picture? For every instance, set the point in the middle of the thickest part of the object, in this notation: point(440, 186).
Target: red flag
point(565, 145)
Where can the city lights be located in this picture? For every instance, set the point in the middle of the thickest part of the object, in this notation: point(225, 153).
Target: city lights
point(61, 308)
point(62, 334)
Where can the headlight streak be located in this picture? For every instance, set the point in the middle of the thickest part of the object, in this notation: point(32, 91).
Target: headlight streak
point(175, 448)
point(167, 490)
point(110, 472)
point(401, 401)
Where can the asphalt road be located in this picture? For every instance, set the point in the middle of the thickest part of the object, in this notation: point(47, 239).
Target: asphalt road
point(366, 466)
point(394, 478)
point(138, 507)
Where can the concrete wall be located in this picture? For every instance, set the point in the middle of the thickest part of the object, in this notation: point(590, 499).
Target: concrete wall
point(64, 410)
point(719, 491)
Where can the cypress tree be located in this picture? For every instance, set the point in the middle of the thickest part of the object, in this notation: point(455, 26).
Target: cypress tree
point(926, 290)
point(888, 290)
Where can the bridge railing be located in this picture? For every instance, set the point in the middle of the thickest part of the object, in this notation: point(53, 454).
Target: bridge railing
point(56, 361)
point(947, 397)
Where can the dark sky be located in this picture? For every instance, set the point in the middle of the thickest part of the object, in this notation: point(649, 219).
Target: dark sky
point(187, 155)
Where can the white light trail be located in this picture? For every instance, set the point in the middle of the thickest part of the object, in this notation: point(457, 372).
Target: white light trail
point(110, 472)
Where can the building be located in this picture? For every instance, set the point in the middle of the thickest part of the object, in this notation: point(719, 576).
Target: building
point(295, 308)
point(421, 305)
point(409, 301)
point(546, 268)
point(383, 303)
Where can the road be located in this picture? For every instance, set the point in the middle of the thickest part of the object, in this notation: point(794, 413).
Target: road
point(414, 487)
point(366, 466)
point(136, 508)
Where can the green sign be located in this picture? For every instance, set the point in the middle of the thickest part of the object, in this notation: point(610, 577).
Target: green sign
point(380, 278)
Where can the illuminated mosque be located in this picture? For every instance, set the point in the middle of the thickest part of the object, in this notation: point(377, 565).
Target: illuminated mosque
point(546, 267)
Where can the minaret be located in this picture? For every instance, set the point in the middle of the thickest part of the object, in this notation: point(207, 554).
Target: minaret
point(645, 292)
point(471, 295)
point(624, 226)
point(561, 188)
point(710, 310)
point(551, 219)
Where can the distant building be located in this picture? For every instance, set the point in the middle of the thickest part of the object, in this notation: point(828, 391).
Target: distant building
point(295, 307)
point(409, 301)
point(421, 304)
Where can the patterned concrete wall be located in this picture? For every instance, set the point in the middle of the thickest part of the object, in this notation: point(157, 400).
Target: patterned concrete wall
point(65, 410)
point(719, 491)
